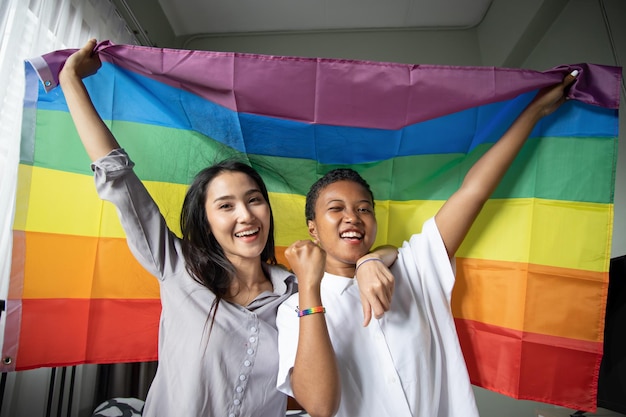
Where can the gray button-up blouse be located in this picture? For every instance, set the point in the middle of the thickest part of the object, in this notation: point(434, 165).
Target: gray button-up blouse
point(232, 372)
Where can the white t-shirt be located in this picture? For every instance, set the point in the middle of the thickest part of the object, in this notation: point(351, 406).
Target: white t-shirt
point(408, 363)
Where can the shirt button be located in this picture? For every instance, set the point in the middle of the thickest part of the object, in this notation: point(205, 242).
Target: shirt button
point(239, 389)
point(236, 402)
point(247, 363)
point(253, 329)
point(231, 415)
point(250, 351)
point(242, 377)
point(252, 339)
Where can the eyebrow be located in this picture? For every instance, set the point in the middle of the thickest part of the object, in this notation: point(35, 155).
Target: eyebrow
point(338, 200)
point(231, 197)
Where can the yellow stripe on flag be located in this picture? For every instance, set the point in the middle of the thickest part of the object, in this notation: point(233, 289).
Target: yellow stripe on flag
point(544, 232)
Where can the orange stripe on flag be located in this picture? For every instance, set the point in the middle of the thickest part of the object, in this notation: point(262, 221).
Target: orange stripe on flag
point(16, 284)
point(527, 297)
point(531, 298)
point(56, 267)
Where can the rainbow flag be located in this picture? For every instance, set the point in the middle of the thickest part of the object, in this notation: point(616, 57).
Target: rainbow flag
point(532, 274)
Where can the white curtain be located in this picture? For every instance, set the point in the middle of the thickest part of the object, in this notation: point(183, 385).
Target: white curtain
point(30, 28)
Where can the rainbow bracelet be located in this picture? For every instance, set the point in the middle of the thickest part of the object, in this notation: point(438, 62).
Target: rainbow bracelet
point(311, 310)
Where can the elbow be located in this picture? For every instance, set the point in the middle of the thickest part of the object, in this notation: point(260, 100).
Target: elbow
point(321, 398)
point(325, 405)
point(323, 409)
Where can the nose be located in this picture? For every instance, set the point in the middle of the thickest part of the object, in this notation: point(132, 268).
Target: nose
point(352, 216)
point(244, 214)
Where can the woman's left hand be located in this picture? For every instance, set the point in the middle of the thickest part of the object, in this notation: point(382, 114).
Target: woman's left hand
point(376, 284)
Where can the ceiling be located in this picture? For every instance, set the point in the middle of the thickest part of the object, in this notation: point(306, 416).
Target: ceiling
point(193, 17)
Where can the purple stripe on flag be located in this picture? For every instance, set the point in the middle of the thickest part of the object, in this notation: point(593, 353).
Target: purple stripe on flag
point(345, 92)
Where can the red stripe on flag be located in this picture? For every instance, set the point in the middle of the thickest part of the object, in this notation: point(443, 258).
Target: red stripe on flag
point(493, 355)
point(76, 331)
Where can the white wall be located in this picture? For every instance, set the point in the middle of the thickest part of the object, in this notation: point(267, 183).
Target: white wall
point(406, 46)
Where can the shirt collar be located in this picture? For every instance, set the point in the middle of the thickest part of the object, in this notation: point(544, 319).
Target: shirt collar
point(337, 283)
point(281, 278)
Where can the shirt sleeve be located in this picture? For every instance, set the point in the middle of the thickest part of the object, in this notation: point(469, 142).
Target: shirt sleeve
point(152, 243)
point(288, 326)
point(432, 258)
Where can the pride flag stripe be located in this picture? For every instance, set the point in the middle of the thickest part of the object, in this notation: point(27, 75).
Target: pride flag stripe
point(98, 330)
point(63, 325)
point(329, 91)
point(491, 347)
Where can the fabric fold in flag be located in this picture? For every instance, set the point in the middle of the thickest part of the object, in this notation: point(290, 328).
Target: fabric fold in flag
point(532, 275)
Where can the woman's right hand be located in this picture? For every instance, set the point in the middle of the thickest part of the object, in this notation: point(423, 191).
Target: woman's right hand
point(82, 63)
point(307, 261)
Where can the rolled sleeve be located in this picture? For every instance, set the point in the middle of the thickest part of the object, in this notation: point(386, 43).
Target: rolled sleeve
point(152, 243)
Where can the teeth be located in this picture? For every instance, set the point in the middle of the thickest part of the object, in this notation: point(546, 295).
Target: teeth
point(246, 233)
point(351, 234)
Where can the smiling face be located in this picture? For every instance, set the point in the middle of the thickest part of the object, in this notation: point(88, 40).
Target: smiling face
point(238, 216)
point(344, 225)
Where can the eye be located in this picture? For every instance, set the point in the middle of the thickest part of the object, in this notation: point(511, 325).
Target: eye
point(225, 206)
point(364, 210)
point(256, 199)
point(335, 208)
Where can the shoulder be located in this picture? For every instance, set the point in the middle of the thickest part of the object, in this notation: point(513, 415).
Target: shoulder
point(427, 236)
point(424, 259)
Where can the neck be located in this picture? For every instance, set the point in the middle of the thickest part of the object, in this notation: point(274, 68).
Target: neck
point(340, 268)
point(250, 274)
point(249, 282)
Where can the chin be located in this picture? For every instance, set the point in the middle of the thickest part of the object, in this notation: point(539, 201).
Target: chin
point(352, 260)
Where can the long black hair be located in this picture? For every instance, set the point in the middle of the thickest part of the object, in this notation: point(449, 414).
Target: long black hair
point(204, 257)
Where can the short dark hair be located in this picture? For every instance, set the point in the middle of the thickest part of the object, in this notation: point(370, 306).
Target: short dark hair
point(204, 257)
point(338, 174)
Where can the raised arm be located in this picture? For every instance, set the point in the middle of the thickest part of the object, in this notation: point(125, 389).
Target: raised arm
point(315, 376)
point(95, 135)
point(456, 216)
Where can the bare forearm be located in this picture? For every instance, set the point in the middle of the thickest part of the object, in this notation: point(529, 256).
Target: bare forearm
point(457, 215)
point(94, 134)
point(386, 253)
point(315, 376)
point(487, 172)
